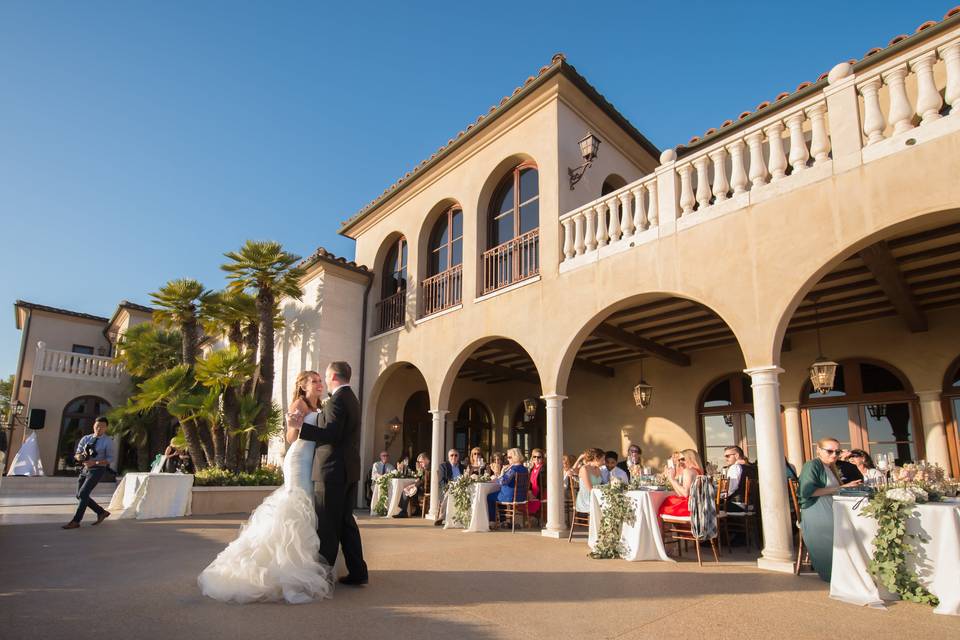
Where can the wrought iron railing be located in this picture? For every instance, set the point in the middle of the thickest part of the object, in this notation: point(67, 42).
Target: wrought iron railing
point(511, 262)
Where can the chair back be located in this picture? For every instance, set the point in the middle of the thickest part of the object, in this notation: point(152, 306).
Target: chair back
point(703, 508)
point(723, 486)
point(521, 481)
point(747, 493)
point(794, 487)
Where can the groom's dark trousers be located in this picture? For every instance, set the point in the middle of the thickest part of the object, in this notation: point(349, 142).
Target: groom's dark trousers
point(336, 473)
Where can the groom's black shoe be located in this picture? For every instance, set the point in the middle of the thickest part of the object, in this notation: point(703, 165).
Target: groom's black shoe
point(354, 581)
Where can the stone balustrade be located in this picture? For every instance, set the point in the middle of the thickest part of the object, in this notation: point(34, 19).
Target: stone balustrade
point(66, 364)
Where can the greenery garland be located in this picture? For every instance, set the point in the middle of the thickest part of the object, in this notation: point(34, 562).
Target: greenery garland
point(891, 546)
point(462, 498)
point(617, 508)
point(383, 482)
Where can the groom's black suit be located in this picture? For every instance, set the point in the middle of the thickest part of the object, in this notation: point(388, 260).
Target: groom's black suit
point(336, 471)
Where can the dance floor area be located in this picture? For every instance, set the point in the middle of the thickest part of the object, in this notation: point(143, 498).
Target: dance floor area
point(137, 579)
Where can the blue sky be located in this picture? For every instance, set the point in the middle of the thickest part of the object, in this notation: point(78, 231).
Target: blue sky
point(139, 141)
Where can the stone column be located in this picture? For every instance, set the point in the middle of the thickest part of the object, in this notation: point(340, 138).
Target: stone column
point(777, 554)
point(436, 458)
point(555, 519)
point(791, 414)
point(934, 429)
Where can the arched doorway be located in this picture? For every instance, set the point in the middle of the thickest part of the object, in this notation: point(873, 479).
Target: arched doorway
point(870, 407)
point(528, 430)
point(473, 428)
point(77, 421)
point(951, 403)
point(416, 425)
point(725, 413)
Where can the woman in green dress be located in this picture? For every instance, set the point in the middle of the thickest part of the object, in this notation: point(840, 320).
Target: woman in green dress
point(819, 481)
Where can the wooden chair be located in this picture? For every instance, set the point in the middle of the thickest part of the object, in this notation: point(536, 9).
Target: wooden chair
point(679, 528)
point(742, 521)
point(576, 517)
point(803, 556)
point(723, 486)
point(568, 501)
point(425, 498)
point(521, 485)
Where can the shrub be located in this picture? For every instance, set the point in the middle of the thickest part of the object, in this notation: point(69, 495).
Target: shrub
point(268, 476)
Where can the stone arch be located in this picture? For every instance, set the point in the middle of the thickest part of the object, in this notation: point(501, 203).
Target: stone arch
point(389, 395)
point(378, 266)
point(611, 183)
point(489, 187)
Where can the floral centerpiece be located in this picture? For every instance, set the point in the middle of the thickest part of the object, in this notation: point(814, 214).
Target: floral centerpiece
point(891, 506)
point(655, 481)
point(383, 482)
point(460, 494)
point(617, 508)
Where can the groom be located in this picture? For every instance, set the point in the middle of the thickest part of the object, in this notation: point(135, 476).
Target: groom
point(336, 472)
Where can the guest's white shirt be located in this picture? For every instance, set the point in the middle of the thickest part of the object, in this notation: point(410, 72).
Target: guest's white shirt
point(380, 469)
point(616, 472)
point(734, 473)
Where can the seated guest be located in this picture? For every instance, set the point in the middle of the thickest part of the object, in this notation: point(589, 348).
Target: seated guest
point(449, 470)
point(610, 470)
point(590, 477)
point(791, 470)
point(737, 471)
point(633, 460)
point(403, 465)
point(848, 470)
point(497, 465)
point(689, 468)
point(568, 470)
point(819, 481)
point(411, 495)
point(382, 467)
point(508, 481)
point(538, 482)
point(674, 468)
point(475, 464)
point(865, 466)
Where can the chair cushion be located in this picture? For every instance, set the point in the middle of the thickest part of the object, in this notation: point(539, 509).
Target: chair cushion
point(675, 518)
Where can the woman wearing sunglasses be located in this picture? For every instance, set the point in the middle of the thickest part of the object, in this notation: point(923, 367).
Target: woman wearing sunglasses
point(819, 482)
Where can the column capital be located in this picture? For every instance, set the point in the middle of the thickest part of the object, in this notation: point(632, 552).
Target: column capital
point(764, 375)
point(793, 404)
point(439, 412)
point(554, 398)
point(930, 396)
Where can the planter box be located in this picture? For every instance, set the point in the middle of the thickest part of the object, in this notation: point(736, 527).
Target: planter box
point(209, 501)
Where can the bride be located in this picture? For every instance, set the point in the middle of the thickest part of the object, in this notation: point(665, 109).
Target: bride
point(277, 554)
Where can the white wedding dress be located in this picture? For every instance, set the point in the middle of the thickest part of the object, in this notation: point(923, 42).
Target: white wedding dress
point(277, 554)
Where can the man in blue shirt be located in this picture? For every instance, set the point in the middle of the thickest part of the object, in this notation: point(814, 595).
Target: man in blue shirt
point(96, 452)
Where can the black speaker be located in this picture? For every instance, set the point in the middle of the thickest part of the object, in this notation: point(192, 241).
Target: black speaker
point(38, 417)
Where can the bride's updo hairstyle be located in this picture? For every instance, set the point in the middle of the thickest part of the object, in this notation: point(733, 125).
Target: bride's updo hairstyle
point(298, 391)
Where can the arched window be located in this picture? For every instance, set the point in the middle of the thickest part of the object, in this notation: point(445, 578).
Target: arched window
point(726, 418)
point(390, 309)
point(951, 401)
point(611, 183)
point(513, 230)
point(871, 407)
point(529, 431)
point(473, 428)
point(444, 285)
point(77, 421)
point(417, 426)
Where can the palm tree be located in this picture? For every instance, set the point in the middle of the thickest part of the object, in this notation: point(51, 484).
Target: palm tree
point(265, 268)
point(223, 373)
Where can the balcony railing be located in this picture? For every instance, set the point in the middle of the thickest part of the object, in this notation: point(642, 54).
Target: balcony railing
point(66, 364)
point(511, 262)
point(442, 291)
point(390, 312)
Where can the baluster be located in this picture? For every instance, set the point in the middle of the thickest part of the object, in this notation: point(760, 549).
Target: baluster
point(653, 215)
point(614, 229)
point(873, 120)
point(568, 249)
point(758, 168)
point(798, 145)
point(901, 114)
point(721, 187)
point(738, 175)
point(640, 219)
point(579, 244)
point(591, 238)
point(703, 182)
point(951, 59)
point(687, 200)
point(626, 214)
point(778, 160)
point(602, 236)
point(820, 141)
point(928, 98)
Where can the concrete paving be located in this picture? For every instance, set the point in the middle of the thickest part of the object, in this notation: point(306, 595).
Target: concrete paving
point(137, 579)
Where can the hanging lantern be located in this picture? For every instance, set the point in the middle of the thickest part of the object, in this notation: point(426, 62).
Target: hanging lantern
point(728, 419)
point(642, 392)
point(822, 371)
point(529, 409)
point(877, 411)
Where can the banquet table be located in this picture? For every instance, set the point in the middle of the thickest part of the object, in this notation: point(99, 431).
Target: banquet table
point(937, 567)
point(479, 517)
point(642, 539)
point(152, 495)
point(394, 488)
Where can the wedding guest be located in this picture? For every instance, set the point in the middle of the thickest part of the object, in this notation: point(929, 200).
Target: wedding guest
point(568, 462)
point(865, 466)
point(496, 465)
point(475, 463)
point(382, 467)
point(589, 474)
point(538, 482)
point(512, 472)
point(449, 470)
point(95, 452)
point(819, 482)
point(403, 465)
point(848, 470)
point(610, 470)
point(688, 468)
point(412, 494)
point(737, 471)
point(633, 460)
point(791, 470)
point(673, 465)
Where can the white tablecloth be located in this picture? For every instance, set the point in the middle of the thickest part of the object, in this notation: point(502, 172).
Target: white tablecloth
point(479, 516)
point(394, 487)
point(853, 534)
point(152, 495)
point(642, 539)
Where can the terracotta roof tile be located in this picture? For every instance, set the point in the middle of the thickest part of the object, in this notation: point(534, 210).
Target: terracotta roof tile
point(322, 255)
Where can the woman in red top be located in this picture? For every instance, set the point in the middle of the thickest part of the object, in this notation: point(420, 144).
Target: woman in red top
point(538, 482)
point(689, 468)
